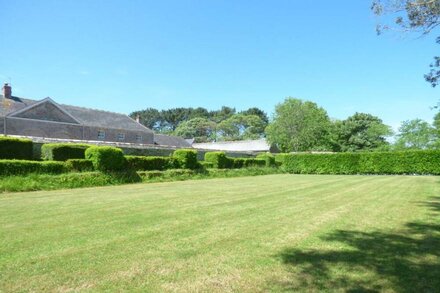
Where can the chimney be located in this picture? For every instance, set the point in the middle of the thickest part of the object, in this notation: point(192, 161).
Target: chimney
point(138, 119)
point(7, 91)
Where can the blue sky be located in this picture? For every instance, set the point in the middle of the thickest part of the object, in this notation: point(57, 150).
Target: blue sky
point(129, 55)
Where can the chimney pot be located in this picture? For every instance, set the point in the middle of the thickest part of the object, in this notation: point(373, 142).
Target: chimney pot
point(138, 119)
point(7, 91)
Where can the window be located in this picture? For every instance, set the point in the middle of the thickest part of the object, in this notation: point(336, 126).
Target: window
point(138, 138)
point(121, 136)
point(101, 134)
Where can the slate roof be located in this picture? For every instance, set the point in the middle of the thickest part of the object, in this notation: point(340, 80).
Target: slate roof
point(259, 145)
point(172, 141)
point(88, 117)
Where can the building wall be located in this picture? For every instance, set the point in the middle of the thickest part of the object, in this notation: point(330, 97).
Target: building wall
point(49, 129)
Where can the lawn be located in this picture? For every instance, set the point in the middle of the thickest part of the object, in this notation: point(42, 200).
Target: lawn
point(249, 234)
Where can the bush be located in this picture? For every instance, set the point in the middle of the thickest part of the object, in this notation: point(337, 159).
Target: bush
point(279, 158)
point(407, 162)
point(22, 167)
point(218, 160)
point(63, 151)
point(187, 158)
point(80, 165)
point(268, 158)
point(141, 163)
point(15, 148)
point(106, 158)
point(206, 165)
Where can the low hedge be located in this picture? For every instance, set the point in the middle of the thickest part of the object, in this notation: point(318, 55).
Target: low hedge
point(15, 148)
point(141, 163)
point(422, 162)
point(63, 151)
point(79, 165)
point(268, 158)
point(106, 158)
point(187, 158)
point(23, 167)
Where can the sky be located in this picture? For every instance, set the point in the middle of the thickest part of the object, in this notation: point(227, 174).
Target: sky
point(124, 56)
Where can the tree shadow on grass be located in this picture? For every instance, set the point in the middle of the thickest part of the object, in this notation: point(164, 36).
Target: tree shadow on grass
point(405, 261)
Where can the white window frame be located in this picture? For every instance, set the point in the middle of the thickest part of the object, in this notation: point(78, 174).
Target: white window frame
point(101, 134)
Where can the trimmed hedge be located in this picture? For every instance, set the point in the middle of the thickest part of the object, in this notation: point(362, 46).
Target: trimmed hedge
point(15, 148)
point(141, 163)
point(268, 158)
point(106, 158)
point(421, 162)
point(218, 160)
point(63, 151)
point(187, 158)
point(23, 167)
point(80, 165)
point(238, 163)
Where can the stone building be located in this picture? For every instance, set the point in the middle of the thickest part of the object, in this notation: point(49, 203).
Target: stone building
point(46, 118)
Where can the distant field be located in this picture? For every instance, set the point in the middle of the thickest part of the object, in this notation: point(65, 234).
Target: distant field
point(249, 234)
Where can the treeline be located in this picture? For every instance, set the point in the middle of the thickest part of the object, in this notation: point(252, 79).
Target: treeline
point(205, 126)
point(296, 126)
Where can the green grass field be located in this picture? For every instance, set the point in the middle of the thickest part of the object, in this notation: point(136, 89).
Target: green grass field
point(250, 234)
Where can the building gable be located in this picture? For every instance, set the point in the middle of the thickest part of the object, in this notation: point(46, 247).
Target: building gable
point(46, 110)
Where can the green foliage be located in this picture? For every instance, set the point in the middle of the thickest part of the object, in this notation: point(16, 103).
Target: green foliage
point(238, 163)
point(279, 158)
point(240, 127)
point(407, 162)
point(361, 132)
point(206, 165)
point(187, 158)
point(63, 151)
point(258, 112)
point(106, 158)
point(415, 134)
point(23, 167)
point(201, 129)
point(80, 165)
point(15, 148)
point(218, 160)
point(268, 158)
point(299, 126)
point(141, 163)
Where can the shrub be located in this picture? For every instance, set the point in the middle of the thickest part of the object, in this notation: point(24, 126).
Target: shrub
point(22, 167)
point(268, 158)
point(187, 158)
point(80, 165)
point(141, 163)
point(206, 165)
point(106, 158)
point(218, 160)
point(15, 148)
point(279, 158)
point(406, 162)
point(63, 151)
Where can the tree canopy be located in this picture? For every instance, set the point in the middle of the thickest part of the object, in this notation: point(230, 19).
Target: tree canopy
point(415, 134)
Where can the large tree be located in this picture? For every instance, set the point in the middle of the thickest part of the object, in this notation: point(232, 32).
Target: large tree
point(415, 134)
point(240, 127)
point(361, 132)
point(201, 129)
point(422, 16)
point(298, 126)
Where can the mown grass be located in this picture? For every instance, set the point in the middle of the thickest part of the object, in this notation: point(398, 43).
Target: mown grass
point(250, 234)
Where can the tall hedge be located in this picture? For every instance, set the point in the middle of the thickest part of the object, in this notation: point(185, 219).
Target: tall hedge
point(63, 151)
point(268, 158)
point(405, 162)
point(141, 163)
point(218, 160)
point(106, 158)
point(187, 158)
point(15, 148)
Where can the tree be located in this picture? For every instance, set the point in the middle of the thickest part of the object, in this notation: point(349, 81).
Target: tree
point(415, 134)
point(239, 127)
point(222, 114)
point(149, 117)
point(298, 126)
point(256, 111)
point(361, 132)
point(201, 129)
point(422, 16)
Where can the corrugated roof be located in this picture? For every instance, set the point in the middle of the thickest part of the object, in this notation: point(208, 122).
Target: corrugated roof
point(172, 141)
point(88, 117)
point(259, 145)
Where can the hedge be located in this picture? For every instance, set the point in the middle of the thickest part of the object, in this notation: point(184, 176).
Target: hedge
point(218, 160)
point(187, 158)
point(141, 163)
point(15, 148)
point(79, 165)
point(421, 162)
point(106, 158)
point(63, 151)
point(268, 158)
point(23, 167)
